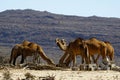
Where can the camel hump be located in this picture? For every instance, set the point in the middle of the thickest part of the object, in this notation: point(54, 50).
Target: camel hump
point(25, 43)
point(79, 40)
point(32, 45)
point(107, 42)
point(109, 45)
point(93, 39)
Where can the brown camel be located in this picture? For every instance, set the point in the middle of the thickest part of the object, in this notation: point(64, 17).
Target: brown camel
point(109, 53)
point(94, 47)
point(28, 49)
point(77, 47)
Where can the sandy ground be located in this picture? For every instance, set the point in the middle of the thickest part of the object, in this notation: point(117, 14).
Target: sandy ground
point(63, 75)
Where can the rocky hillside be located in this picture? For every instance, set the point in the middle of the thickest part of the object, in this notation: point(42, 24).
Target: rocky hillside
point(43, 27)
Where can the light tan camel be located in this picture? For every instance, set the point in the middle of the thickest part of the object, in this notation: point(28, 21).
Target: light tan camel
point(28, 49)
point(74, 48)
point(94, 47)
point(109, 53)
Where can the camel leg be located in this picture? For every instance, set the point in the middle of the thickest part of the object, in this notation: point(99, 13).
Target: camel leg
point(68, 60)
point(63, 58)
point(104, 57)
point(10, 61)
point(86, 55)
point(83, 61)
point(14, 60)
point(74, 60)
point(11, 58)
point(34, 57)
point(22, 60)
point(86, 60)
point(95, 60)
point(111, 58)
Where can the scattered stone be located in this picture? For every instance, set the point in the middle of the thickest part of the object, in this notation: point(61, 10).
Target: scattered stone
point(82, 67)
point(90, 67)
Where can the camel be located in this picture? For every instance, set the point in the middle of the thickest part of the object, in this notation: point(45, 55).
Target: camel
point(19, 50)
point(77, 47)
point(28, 49)
point(94, 47)
point(109, 53)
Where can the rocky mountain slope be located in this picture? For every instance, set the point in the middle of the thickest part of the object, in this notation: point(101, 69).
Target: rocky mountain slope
point(43, 27)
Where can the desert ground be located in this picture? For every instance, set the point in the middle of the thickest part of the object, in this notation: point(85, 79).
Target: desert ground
point(19, 74)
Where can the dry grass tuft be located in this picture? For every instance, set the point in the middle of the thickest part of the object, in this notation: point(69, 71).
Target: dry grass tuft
point(29, 76)
point(7, 75)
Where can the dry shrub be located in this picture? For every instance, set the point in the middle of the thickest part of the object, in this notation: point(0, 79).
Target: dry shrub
point(50, 77)
point(7, 75)
point(29, 76)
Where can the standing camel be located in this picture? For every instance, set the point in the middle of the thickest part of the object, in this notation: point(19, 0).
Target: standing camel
point(110, 52)
point(28, 49)
point(96, 46)
point(77, 47)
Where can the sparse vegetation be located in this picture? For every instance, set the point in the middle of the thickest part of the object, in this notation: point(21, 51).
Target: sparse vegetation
point(29, 76)
point(52, 77)
point(7, 75)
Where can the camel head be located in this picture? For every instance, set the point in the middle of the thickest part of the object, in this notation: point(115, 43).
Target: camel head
point(61, 43)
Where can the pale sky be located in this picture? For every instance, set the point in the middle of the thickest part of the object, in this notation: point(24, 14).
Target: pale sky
point(103, 8)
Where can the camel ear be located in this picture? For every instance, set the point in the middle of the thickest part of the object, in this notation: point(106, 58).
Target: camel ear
point(63, 41)
point(57, 40)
